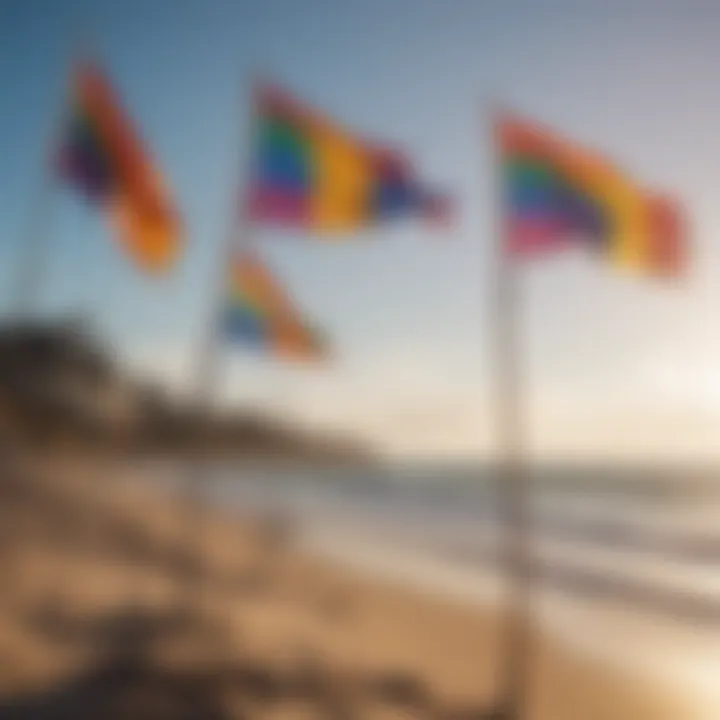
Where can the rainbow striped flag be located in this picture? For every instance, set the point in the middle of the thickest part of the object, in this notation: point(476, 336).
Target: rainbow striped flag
point(259, 313)
point(310, 174)
point(559, 194)
point(102, 155)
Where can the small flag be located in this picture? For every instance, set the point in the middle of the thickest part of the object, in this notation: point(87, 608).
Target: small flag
point(310, 174)
point(559, 194)
point(259, 313)
point(103, 156)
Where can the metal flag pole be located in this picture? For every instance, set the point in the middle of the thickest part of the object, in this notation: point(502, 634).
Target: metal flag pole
point(206, 382)
point(513, 485)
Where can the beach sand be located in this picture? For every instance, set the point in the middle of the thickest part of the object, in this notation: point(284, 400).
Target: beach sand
point(105, 613)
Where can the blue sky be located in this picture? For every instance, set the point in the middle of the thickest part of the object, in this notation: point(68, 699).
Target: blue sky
point(613, 366)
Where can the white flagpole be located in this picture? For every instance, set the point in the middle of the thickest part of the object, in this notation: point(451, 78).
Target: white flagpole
point(513, 486)
point(207, 375)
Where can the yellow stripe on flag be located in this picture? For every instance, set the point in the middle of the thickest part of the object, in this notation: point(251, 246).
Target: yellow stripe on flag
point(341, 199)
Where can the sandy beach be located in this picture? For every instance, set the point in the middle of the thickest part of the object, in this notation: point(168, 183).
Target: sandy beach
point(96, 621)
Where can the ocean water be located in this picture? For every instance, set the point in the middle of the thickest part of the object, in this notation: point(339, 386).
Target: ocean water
point(627, 562)
point(652, 543)
point(623, 558)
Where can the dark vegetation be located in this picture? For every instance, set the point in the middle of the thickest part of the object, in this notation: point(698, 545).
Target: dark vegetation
point(60, 386)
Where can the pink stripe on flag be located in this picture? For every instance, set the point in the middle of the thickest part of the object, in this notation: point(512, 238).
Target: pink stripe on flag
point(285, 208)
point(535, 236)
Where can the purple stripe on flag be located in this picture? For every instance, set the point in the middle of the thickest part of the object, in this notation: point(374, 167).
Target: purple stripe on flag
point(84, 173)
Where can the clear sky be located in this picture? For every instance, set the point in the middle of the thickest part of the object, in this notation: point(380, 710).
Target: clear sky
point(613, 366)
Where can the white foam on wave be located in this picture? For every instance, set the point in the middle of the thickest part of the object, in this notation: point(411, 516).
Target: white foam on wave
point(650, 647)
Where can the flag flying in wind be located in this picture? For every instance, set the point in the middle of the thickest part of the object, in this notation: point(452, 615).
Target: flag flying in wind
point(258, 312)
point(103, 156)
point(557, 194)
point(310, 174)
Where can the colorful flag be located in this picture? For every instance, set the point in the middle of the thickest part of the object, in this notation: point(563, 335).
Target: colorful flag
point(558, 194)
point(310, 174)
point(260, 313)
point(103, 156)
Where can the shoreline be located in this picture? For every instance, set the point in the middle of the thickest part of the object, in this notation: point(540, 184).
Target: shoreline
point(565, 620)
point(119, 546)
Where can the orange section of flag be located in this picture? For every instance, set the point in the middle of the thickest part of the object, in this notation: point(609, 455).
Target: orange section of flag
point(669, 250)
point(294, 341)
point(252, 278)
point(141, 209)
